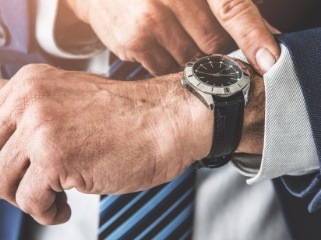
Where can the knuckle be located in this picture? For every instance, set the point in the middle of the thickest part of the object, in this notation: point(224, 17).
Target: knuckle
point(25, 205)
point(32, 85)
point(28, 206)
point(127, 44)
point(133, 43)
point(138, 35)
point(47, 221)
point(211, 44)
point(251, 39)
point(187, 53)
point(27, 70)
point(123, 54)
point(232, 9)
point(149, 13)
point(42, 136)
point(39, 115)
point(44, 221)
point(44, 142)
point(31, 70)
point(80, 184)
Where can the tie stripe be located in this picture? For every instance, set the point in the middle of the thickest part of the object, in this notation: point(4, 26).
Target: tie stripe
point(171, 231)
point(153, 213)
point(163, 212)
point(185, 199)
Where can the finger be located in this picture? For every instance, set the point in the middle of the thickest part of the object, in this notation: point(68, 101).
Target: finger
point(242, 20)
point(63, 213)
point(177, 41)
point(157, 61)
point(8, 116)
point(3, 82)
point(5, 89)
point(13, 165)
point(199, 22)
point(35, 197)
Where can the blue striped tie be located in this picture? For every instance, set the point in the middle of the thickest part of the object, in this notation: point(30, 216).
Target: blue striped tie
point(164, 212)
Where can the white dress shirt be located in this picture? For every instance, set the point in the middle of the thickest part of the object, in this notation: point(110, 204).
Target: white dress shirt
point(288, 143)
point(289, 147)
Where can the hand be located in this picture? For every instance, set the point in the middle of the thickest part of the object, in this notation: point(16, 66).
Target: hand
point(160, 34)
point(242, 20)
point(3, 82)
point(62, 130)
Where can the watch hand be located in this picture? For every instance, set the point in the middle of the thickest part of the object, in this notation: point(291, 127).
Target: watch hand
point(211, 74)
point(217, 74)
point(223, 70)
point(225, 75)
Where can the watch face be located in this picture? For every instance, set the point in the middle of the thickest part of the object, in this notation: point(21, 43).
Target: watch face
point(216, 71)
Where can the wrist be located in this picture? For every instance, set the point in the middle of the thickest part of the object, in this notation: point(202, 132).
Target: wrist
point(196, 122)
point(254, 119)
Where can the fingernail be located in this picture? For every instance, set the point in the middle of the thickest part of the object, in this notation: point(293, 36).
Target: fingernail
point(265, 59)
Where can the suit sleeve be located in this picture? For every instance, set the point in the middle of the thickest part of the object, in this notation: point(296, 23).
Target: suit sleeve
point(304, 48)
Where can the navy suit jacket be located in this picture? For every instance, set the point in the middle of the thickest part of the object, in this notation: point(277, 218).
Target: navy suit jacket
point(298, 195)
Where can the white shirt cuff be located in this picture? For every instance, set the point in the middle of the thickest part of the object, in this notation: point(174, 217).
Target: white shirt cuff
point(45, 34)
point(289, 147)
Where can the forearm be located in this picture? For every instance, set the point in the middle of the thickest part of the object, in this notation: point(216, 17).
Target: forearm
point(198, 130)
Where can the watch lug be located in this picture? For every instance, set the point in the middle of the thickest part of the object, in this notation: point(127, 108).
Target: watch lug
point(205, 98)
point(246, 92)
point(184, 82)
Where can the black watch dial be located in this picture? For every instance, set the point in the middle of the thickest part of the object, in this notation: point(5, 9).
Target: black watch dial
point(216, 71)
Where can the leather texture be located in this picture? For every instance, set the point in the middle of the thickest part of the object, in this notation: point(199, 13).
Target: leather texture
point(228, 122)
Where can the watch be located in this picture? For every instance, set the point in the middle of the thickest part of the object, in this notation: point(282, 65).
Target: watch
point(222, 83)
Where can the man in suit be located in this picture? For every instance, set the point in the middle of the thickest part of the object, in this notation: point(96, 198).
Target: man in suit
point(34, 73)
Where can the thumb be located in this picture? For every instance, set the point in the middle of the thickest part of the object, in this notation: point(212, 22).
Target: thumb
point(243, 21)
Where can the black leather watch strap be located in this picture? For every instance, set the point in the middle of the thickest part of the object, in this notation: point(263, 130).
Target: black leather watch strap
point(228, 122)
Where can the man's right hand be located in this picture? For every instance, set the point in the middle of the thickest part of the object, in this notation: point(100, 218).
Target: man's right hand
point(160, 34)
point(165, 34)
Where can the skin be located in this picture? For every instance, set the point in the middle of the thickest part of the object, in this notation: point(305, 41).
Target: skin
point(165, 34)
point(61, 130)
point(50, 141)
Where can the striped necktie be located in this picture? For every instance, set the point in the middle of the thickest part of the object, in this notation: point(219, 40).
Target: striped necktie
point(163, 212)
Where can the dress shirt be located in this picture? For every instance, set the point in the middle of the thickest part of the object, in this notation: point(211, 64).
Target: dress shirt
point(289, 147)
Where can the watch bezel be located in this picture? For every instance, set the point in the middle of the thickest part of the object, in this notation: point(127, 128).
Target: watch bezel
point(225, 91)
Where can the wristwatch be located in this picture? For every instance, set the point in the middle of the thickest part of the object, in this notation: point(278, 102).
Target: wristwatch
point(222, 83)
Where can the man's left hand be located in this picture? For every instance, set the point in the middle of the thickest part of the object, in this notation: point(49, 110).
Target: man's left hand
point(61, 130)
